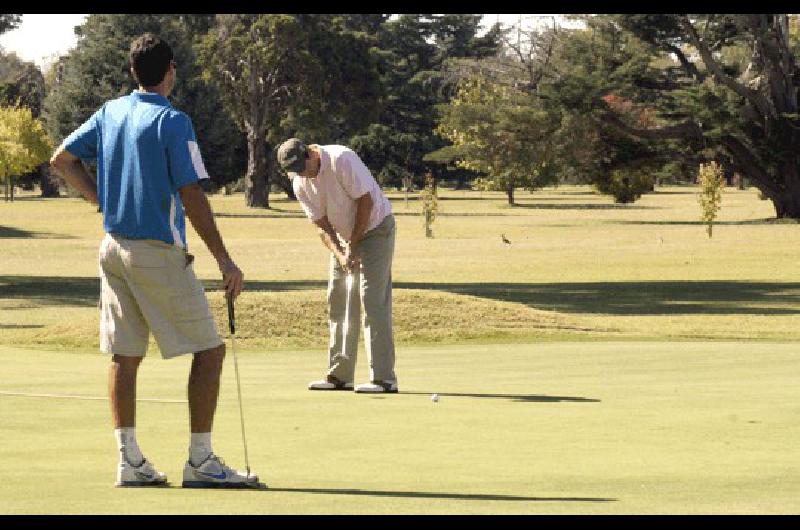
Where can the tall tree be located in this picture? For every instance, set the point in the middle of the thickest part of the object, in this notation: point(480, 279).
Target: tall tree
point(24, 144)
point(724, 85)
point(502, 132)
point(100, 60)
point(24, 85)
point(413, 50)
point(258, 62)
point(9, 22)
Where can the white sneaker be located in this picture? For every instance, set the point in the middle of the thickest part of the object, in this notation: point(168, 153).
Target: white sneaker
point(213, 473)
point(330, 383)
point(130, 476)
point(378, 387)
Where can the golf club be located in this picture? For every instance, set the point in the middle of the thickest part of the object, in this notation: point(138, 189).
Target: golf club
point(232, 325)
point(349, 283)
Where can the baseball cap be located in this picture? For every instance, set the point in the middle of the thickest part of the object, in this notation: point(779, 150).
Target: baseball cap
point(292, 155)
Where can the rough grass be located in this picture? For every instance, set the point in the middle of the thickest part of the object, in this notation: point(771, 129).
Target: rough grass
point(580, 268)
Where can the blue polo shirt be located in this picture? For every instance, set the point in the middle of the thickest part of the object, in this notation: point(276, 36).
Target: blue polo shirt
point(145, 151)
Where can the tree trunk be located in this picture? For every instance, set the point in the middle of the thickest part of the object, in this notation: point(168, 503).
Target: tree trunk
point(787, 200)
point(787, 205)
point(256, 180)
point(47, 182)
point(510, 193)
point(11, 188)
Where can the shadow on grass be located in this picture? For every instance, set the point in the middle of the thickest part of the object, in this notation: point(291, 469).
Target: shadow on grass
point(637, 298)
point(581, 206)
point(20, 326)
point(9, 232)
point(436, 495)
point(519, 398)
point(615, 298)
point(51, 290)
point(766, 221)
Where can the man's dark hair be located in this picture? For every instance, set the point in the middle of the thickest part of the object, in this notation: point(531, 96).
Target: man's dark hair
point(150, 57)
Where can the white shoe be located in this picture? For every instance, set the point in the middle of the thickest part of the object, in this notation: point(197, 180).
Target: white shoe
point(330, 383)
point(213, 473)
point(378, 387)
point(130, 476)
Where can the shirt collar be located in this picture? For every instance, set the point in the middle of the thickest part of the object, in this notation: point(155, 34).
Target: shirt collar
point(151, 97)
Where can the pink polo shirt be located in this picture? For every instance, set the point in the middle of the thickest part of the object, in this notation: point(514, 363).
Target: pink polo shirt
point(342, 179)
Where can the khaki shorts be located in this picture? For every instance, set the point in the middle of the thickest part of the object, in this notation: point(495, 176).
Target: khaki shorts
point(150, 286)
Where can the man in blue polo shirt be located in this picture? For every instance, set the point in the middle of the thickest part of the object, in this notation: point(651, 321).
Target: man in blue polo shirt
point(148, 170)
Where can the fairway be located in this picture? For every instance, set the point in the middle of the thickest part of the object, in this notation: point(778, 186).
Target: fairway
point(531, 428)
point(613, 359)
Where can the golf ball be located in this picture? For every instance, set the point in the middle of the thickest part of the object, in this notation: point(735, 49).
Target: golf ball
point(435, 398)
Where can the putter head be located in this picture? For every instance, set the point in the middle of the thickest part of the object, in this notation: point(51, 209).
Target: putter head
point(253, 482)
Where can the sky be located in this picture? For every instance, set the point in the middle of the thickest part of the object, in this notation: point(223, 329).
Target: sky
point(39, 37)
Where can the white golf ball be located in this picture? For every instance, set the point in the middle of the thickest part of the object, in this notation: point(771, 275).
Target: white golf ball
point(435, 398)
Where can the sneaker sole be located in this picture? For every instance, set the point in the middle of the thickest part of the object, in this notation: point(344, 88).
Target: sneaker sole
point(141, 484)
point(200, 484)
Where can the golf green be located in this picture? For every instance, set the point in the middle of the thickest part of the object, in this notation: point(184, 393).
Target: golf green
point(554, 427)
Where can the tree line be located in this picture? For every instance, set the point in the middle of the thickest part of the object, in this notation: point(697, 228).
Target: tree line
point(622, 102)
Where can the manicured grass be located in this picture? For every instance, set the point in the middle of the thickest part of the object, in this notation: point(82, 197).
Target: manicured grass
point(587, 428)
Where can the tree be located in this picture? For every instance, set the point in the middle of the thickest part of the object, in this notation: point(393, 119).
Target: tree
point(24, 144)
point(343, 95)
point(412, 50)
point(258, 62)
point(343, 98)
point(100, 61)
point(502, 132)
point(21, 83)
point(724, 86)
point(9, 22)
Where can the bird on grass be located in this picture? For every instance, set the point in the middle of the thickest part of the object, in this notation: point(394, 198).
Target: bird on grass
point(505, 240)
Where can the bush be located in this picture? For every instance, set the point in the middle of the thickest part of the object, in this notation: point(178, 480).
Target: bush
point(625, 186)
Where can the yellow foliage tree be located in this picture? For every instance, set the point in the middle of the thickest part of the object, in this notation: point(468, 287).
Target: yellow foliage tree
point(24, 144)
point(712, 181)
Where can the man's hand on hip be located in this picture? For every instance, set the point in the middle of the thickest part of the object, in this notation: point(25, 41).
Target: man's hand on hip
point(232, 278)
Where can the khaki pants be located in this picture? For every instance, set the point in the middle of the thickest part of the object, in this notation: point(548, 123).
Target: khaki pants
point(372, 286)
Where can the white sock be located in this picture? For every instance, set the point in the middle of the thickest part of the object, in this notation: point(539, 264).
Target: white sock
point(127, 445)
point(200, 447)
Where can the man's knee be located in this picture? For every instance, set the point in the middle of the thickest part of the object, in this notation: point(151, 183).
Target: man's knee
point(122, 362)
point(211, 356)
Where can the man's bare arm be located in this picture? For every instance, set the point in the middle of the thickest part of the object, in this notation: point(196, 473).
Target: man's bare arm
point(74, 173)
point(199, 212)
point(363, 212)
point(328, 236)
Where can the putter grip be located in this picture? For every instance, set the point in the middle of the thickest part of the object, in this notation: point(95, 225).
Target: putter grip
point(231, 317)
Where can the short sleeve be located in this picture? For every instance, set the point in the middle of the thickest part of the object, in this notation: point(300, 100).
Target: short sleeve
point(312, 208)
point(82, 142)
point(183, 154)
point(353, 175)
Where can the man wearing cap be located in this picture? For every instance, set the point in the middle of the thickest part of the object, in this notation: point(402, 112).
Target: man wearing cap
point(355, 222)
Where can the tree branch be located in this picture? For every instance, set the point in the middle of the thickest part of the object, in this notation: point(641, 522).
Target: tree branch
point(687, 129)
point(690, 68)
point(758, 99)
point(749, 162)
